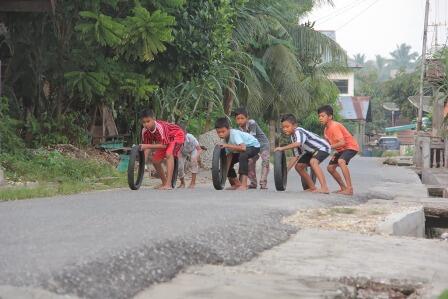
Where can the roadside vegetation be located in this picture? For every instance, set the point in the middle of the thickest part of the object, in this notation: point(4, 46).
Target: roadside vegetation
point(189, 61)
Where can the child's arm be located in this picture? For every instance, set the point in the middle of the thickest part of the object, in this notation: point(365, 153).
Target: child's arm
point(198, 149)
point(152, 146)
point(287, 147)
point(292, 162)
point(237, 148)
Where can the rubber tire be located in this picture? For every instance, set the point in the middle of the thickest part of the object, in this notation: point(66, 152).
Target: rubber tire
point(280, 171)
point(313, 177)
point(136, 155)
point(175, 172)
point(219, 168)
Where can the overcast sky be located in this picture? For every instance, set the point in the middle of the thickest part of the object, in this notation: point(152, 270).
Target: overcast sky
point(376, 26)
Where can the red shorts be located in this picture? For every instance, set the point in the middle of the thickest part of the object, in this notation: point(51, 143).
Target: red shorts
point(173, 148)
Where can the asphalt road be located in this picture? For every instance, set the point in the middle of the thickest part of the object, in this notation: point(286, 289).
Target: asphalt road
point(114, 244)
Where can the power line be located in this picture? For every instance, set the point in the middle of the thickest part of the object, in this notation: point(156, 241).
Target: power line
point(359, 14)
point(338, 10)
point(343, 11)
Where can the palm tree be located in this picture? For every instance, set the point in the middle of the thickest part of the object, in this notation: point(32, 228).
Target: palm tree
point(287, 63)
point(360, 59)
point(402, 58)
point(381, 64)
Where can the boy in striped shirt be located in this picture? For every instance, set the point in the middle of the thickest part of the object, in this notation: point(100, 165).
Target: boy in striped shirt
point(309, 150)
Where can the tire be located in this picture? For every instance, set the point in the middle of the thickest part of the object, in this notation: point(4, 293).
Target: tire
point(280, 171)
point(313, 177)
point(136, 168)
point(219, 168)
point(175, 172)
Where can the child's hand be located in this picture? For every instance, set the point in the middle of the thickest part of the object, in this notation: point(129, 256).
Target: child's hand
point(140, 147)
point(278, 149)
point(223, 145)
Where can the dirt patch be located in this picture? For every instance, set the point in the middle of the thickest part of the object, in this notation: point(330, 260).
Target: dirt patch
point(364, 288)
point(362, 219)
point(86, 153)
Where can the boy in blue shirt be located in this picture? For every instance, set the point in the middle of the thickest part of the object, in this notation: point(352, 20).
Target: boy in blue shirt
point(240, 147)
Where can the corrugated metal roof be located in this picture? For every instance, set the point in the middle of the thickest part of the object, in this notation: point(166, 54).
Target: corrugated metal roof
point(355, 108)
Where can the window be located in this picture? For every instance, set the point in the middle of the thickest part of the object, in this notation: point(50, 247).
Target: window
point(342, 85)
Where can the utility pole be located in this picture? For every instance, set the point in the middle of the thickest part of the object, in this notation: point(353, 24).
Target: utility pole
point(422, 74)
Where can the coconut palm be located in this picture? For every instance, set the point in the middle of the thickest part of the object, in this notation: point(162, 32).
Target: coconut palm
point(359, 59)
point(402, 58)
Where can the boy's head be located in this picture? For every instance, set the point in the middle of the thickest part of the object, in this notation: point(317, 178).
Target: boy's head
point(241, 116)
point(183, 126)
point(148, 120)
point(325, 114)
point(289, 124)
point(222, 127)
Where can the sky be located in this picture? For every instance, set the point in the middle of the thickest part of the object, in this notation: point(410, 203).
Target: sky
point(373, 27)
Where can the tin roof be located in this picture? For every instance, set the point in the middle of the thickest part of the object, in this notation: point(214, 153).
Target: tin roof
point(355, 108)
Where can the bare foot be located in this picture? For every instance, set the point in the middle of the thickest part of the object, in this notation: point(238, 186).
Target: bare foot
point(263, 188)
point(158, 186)
point(348, 191)
point(322, 190)
point(311, 190)
point(181, 186)
point(233, 187)
point(166, 187)
point(337, 191)
point(192, 186)
point(241, 188)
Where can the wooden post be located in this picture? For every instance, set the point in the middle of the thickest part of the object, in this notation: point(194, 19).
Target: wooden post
point(426, 151)
point(446, 152)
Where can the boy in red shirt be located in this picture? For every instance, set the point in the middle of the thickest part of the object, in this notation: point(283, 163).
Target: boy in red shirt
point(345, 145)
point(166, 139)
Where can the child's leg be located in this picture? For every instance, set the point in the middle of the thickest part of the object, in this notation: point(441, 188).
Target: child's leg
point(348, 180)
point(252, 174)
point(244, 165)
point(169, 172)
point(264, 169)
point(231, 173)
point(332, 169)
point(181, 171)
point(157, 160)
point(194, 168)
point(301, 169)
point(314, 163)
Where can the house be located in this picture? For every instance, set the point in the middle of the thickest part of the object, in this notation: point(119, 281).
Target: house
point(356, 110)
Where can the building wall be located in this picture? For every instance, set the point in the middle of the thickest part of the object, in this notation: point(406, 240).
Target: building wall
point(346, 76)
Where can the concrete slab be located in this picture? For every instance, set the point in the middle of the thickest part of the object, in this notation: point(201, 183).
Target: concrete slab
point(309, 264)
point(410, 224)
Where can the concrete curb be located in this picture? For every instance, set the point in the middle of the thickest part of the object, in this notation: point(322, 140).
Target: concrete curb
point(410, 224)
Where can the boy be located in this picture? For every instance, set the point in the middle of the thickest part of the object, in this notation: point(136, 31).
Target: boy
point(190, 149)
point(166, 139)
point(345, 145)
point(315, 150)
point(250, 126)
point(240, 147)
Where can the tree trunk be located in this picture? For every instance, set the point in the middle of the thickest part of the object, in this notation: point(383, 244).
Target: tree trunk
point(208, 121)
point(272, 134)
point(229, 98)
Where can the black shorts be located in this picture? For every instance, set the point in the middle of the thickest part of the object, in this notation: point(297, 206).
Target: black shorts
point(318, 155)
point(346, 155)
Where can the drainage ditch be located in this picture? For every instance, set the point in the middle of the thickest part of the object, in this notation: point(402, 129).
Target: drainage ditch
point(436, 224)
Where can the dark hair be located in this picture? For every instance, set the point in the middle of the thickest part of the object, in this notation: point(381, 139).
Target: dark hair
point(240, 111)
point(289, 118)
point(183, 126)
point(147, 113)
point(327, 109)
point(222, 122)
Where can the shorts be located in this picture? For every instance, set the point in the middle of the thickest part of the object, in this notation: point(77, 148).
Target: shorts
point(173, 149)
point(346, 155)
point(318, 155)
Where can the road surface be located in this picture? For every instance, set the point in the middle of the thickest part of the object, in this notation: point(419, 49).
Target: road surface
point(115, 244)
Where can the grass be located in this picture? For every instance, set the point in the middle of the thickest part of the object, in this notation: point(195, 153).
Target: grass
point(343, 210)
point(56, 175)
point(444, 295)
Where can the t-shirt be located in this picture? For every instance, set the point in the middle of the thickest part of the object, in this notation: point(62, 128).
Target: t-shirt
point(238, 137)
point(309, 142)
point(336, 131)
point(163, 133)
point(190, 144)
point(254, 129)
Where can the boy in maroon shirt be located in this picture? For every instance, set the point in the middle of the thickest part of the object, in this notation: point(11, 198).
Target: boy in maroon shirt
point(166, 139)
